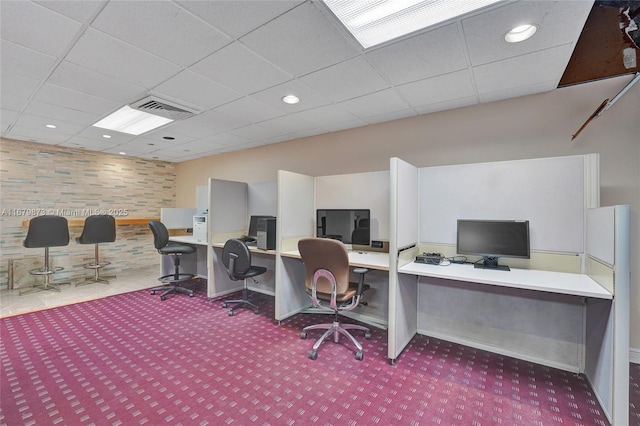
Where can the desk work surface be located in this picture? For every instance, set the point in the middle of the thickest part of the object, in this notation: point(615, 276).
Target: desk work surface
point(187, 239)
point(529, 279)
point(360, 259)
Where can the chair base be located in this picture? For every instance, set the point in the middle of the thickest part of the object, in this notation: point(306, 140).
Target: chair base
point(97, 278)
point(336, 329)
point(241, 303)
point(46, 272)
point(172, 285)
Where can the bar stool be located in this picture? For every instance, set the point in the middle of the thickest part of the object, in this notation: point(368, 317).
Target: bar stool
point(46, 231)
point(97, 229)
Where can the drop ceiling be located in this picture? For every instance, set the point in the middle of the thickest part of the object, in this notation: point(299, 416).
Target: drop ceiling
point(71, 63)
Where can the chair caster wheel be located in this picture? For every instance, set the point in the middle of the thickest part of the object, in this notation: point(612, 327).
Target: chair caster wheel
point(359, 356)
point(367, 335)
point(313, 355)
point(303, 335)
point(163, 298)
point(256, 311)
point(190, 294)
point(153, 292)
point(230, 313)
point(224, 305)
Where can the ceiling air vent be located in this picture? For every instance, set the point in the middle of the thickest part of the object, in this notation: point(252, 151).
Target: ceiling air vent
point(164, 108)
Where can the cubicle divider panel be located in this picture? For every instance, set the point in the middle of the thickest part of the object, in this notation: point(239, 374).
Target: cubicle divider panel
point(540, 327)
point(262, 198)
point(296, 213)
point(358, 191)
point(549, 192)
point(607, 337)
point(403, 292)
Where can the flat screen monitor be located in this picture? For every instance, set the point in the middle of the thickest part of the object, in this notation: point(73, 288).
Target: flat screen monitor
point(351, 226)
point(253, 225)
point(493, 239)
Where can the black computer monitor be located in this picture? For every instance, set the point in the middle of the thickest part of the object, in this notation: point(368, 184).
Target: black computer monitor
point(493, 239)
point(253, 225)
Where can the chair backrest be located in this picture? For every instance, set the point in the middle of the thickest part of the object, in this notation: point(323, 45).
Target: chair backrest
point(238, 251)
point(100, 228)
point(47, 231)
point(160, 234)
point(329, 254)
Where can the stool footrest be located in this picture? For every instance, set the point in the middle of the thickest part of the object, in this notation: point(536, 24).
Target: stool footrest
point(45, 271)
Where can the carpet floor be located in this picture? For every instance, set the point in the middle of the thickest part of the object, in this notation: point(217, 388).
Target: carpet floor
point(133, 359)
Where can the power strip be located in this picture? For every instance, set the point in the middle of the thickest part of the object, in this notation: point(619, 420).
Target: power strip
point(429, 258)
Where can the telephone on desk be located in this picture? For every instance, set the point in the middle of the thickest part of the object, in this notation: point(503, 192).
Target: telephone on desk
point(429, 258)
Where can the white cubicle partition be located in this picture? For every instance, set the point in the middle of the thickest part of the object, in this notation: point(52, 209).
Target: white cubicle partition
point(403, 291)
point(607, 337)
point(175, 218)
point(296, 218)
point(358, 190)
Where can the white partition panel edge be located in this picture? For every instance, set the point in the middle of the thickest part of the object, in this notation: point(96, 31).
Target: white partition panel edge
point(227, 216)
point(607, 339)
point(296, 214)
point(403, 215)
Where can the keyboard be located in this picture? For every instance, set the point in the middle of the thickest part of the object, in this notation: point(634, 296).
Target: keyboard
point(247, 239)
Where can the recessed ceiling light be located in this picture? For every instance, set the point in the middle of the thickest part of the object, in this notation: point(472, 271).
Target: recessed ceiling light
point(51, 126)
point(290, 99)
point(122, 153)
point(132, 121)
point(106, 136)
point(169, 138)
point(376, 22)
point(520, 33)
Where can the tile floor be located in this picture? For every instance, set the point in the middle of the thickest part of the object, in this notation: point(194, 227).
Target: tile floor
point(12, 303)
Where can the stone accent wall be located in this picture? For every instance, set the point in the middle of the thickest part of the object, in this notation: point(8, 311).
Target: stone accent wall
point(38, 179)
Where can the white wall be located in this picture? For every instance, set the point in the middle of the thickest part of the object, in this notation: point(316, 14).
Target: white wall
point(528, 127)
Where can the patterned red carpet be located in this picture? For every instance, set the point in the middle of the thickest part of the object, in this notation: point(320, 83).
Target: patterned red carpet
point(133, 359)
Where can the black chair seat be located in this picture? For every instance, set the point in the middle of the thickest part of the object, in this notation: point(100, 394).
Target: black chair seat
point(175, 250)
point(236, 257)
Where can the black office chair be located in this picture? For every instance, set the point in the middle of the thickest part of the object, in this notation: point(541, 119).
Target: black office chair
point(175, 250)
point(236, 257)
point(46, 231)
point(97, 229)
point(326, 263)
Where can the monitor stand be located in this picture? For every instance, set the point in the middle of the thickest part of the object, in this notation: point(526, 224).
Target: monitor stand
point(491, 263)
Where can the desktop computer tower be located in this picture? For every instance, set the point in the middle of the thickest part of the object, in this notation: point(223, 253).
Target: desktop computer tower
point(266, 239)
point(200, 228)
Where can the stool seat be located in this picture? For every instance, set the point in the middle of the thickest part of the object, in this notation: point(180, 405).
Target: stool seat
point(44, 232)
point(97, 229)
point(175, 250)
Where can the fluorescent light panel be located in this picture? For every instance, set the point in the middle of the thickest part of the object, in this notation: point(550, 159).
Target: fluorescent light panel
point(375, 22)
point(132, 121)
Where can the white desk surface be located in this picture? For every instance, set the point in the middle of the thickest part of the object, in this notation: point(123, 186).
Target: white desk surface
point(359, 259)
point(553, 282)
point(187, 239)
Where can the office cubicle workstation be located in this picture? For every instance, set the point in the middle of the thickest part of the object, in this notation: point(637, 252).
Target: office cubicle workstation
point(561, 307)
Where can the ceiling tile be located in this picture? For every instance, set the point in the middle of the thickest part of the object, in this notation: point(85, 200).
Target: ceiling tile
point(23, 61)
point(16, 90)
point(36, 134)
point(346, 80)
point(560, 22)
point(83, 80)
point(19, 19)
point(161, 28)
point(448, 104)
point(325, 115)
point(189, 88)
point(515, 92)
point(102, 53)
point(429, 54)
point(239, 68)
point(438, 89)
point(81, 11)
point(303, 29)
point(58, 112)
point(7, 117)
point(56, 95)
point(64, 127)
point(524, 70)
point(237, 18)
point(249, 109)
point(375, 104)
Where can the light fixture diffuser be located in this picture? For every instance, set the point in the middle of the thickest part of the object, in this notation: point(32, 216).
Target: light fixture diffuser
point(376, 22)
point(132, 121)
